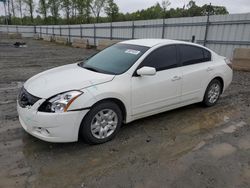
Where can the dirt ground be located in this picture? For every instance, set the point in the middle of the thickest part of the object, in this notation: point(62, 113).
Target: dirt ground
point(191, 147)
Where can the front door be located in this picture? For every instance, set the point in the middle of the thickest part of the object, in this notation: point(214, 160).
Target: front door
point(153, 93)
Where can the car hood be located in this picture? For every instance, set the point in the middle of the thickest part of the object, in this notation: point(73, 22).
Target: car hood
point(64, 78)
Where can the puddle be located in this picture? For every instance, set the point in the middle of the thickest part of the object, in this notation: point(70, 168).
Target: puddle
point(244, 143)
point(241, 124)
point(209, 119)
point(230, 129)
point(246, 173)
point(221, 150)
point(233, 128)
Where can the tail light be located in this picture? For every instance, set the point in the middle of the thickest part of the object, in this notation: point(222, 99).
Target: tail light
point(229, 63)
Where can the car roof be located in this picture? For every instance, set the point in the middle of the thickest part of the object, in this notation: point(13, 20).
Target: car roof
point(153, 42)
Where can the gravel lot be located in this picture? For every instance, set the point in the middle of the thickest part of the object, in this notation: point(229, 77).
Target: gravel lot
point(191, 147)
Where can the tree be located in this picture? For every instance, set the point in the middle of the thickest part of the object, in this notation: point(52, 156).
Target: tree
point(80, 6)
point(9, 13)
point(54, 6)
point(43, 9)
point(165, 4)
point(216, 10)
point(112, 10)
point(96, 7)
point(84, 10)
point(74, 9)
point(19, 5)
point(213, 10)
point(30, 5)
point(13, 8)
point(88, 10)
point(66, 5)
point(153, 12)
point(193, 9)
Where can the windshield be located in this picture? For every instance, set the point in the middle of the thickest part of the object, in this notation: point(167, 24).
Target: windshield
point(115, 59)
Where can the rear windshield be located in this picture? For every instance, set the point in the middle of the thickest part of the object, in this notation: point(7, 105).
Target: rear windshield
point(116, 59)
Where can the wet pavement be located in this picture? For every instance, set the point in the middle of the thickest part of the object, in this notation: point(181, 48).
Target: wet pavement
point(191, 147)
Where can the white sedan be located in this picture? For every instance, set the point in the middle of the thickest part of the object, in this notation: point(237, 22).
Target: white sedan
point(127, 81)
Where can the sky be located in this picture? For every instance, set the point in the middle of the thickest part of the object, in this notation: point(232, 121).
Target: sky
point(233, 6)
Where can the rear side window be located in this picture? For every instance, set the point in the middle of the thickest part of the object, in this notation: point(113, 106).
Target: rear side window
point(192, 55)
point(207, 55)
point(162, 58)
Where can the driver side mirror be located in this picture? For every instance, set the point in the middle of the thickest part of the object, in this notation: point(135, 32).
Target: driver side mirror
point(146, 71)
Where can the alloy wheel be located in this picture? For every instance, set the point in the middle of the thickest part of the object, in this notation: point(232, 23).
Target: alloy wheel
point(104, 124)
point(214, 93)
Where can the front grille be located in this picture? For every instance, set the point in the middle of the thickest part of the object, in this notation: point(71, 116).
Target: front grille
point(26, 99)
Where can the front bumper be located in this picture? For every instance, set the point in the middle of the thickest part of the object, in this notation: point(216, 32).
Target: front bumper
point(51, 127)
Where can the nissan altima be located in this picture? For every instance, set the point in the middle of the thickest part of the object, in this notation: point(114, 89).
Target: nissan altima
point(127, 81)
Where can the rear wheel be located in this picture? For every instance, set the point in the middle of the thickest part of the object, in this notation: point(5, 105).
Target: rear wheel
point(212, 93)
point(102, 123)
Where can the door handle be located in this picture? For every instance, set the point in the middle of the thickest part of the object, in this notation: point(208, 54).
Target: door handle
point(209, 69)
point(175, 78)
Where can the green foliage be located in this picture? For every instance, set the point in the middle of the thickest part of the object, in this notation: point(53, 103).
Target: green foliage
point(112, 10)
point(92, 11)
point(30, 6)
point(66, 6)
point(214, 10)
point(54, 6)
point(97, 7)
point(43, 9)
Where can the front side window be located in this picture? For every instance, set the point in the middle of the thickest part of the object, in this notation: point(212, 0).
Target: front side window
point(116, 59)
point(192, 55)
point(162, 58)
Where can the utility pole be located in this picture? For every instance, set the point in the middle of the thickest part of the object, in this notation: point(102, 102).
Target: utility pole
point(207, 24)
point(163, 24)
point(165, 5)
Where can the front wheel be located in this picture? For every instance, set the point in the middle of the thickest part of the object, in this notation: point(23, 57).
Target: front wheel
point(102, 123)
point(212, 93)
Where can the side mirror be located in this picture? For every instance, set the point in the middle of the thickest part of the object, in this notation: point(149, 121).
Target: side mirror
point(146, 71)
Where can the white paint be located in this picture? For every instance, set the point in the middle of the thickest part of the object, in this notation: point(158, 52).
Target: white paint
point(142, 96)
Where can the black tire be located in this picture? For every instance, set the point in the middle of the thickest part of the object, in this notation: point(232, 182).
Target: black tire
point(85, 130)
point(206, 101)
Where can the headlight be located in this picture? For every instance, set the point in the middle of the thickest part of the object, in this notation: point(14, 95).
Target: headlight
point(59, 103)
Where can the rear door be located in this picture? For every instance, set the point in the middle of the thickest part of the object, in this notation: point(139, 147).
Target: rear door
point(196, 71)
point(152, 93)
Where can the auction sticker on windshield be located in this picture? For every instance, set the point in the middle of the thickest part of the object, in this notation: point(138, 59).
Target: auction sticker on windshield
point(134, 52)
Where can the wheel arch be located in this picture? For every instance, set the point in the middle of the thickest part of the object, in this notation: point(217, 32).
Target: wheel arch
point(116, 101)
point(214, 78)
point(221, 81)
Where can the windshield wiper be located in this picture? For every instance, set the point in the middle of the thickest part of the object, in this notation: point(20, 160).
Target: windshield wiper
point(82, 65)
point(91, 69)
